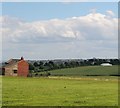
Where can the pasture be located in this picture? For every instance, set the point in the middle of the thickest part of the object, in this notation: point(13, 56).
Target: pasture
point(60, 91)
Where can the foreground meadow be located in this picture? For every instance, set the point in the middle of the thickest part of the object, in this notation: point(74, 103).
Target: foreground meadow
point(60, 91)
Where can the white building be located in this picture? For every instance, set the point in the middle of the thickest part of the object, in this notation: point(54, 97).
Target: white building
point(106, 64)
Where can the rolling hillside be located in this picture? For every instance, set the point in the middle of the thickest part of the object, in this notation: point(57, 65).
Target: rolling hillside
point(86, 71)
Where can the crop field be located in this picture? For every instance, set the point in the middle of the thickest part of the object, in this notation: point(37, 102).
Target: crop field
point(60, 91)
point(86, 71)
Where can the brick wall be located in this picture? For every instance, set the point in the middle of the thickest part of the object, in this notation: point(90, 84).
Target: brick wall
point(23, 68)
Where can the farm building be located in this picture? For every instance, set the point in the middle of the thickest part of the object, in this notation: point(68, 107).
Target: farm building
point(15, 67)
point(106, 64)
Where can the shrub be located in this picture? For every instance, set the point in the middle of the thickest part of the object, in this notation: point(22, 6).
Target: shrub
point(29, 75)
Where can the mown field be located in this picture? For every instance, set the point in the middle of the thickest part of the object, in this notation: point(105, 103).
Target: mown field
point(65, 87)
point(60, 91)
point(86, 71)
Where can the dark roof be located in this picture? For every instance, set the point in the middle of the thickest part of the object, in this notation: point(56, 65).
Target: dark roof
point(13, 60)
point(10, 62)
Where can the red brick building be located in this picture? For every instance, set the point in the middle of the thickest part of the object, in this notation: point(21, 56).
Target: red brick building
point(16, 67)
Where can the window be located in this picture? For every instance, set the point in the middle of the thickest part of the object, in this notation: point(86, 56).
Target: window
point(15, 71)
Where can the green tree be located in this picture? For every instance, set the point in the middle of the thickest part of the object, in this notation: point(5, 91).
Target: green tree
point(36, 64)
point(31, 67)
point(41, 65)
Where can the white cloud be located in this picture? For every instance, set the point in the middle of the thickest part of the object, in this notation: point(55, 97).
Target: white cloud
point(109, 12)
point(94, 26)
point(93, 35)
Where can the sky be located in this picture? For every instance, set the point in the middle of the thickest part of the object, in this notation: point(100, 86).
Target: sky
point(59, 30)
point(59, 0)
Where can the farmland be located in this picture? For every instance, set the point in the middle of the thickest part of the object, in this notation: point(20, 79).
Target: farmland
point(86, 71)
point(73, 89)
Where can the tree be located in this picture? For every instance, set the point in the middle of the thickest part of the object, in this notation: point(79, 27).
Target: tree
point(61, 66)
point(51, 64)
point(72, 64)
point(41, 65)
point(36, 64)
point(31, 67)
point(46, 66)
point(67, 64)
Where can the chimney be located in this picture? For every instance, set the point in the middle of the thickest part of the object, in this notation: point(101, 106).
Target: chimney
point(22, 58)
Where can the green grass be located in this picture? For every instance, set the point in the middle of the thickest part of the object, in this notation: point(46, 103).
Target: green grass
point(60, 91)
point(86, 70)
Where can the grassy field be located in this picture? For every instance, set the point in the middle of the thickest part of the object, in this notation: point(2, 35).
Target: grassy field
point(86, 70)
point(60, 91)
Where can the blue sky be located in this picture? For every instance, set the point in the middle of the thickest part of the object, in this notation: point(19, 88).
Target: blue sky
point(41, 30)
point(60, 0)
point(41, 11)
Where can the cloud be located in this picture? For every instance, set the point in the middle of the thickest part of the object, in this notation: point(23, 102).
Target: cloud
point(109, 12)
point(92, 35)
point(75, 49)
point(94, 26)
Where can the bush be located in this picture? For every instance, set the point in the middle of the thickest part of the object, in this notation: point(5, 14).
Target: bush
point(45, 74)
point(29, 75)
point(36, 74)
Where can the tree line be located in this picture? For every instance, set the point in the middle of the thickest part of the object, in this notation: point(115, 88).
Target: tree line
point(51, 65)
